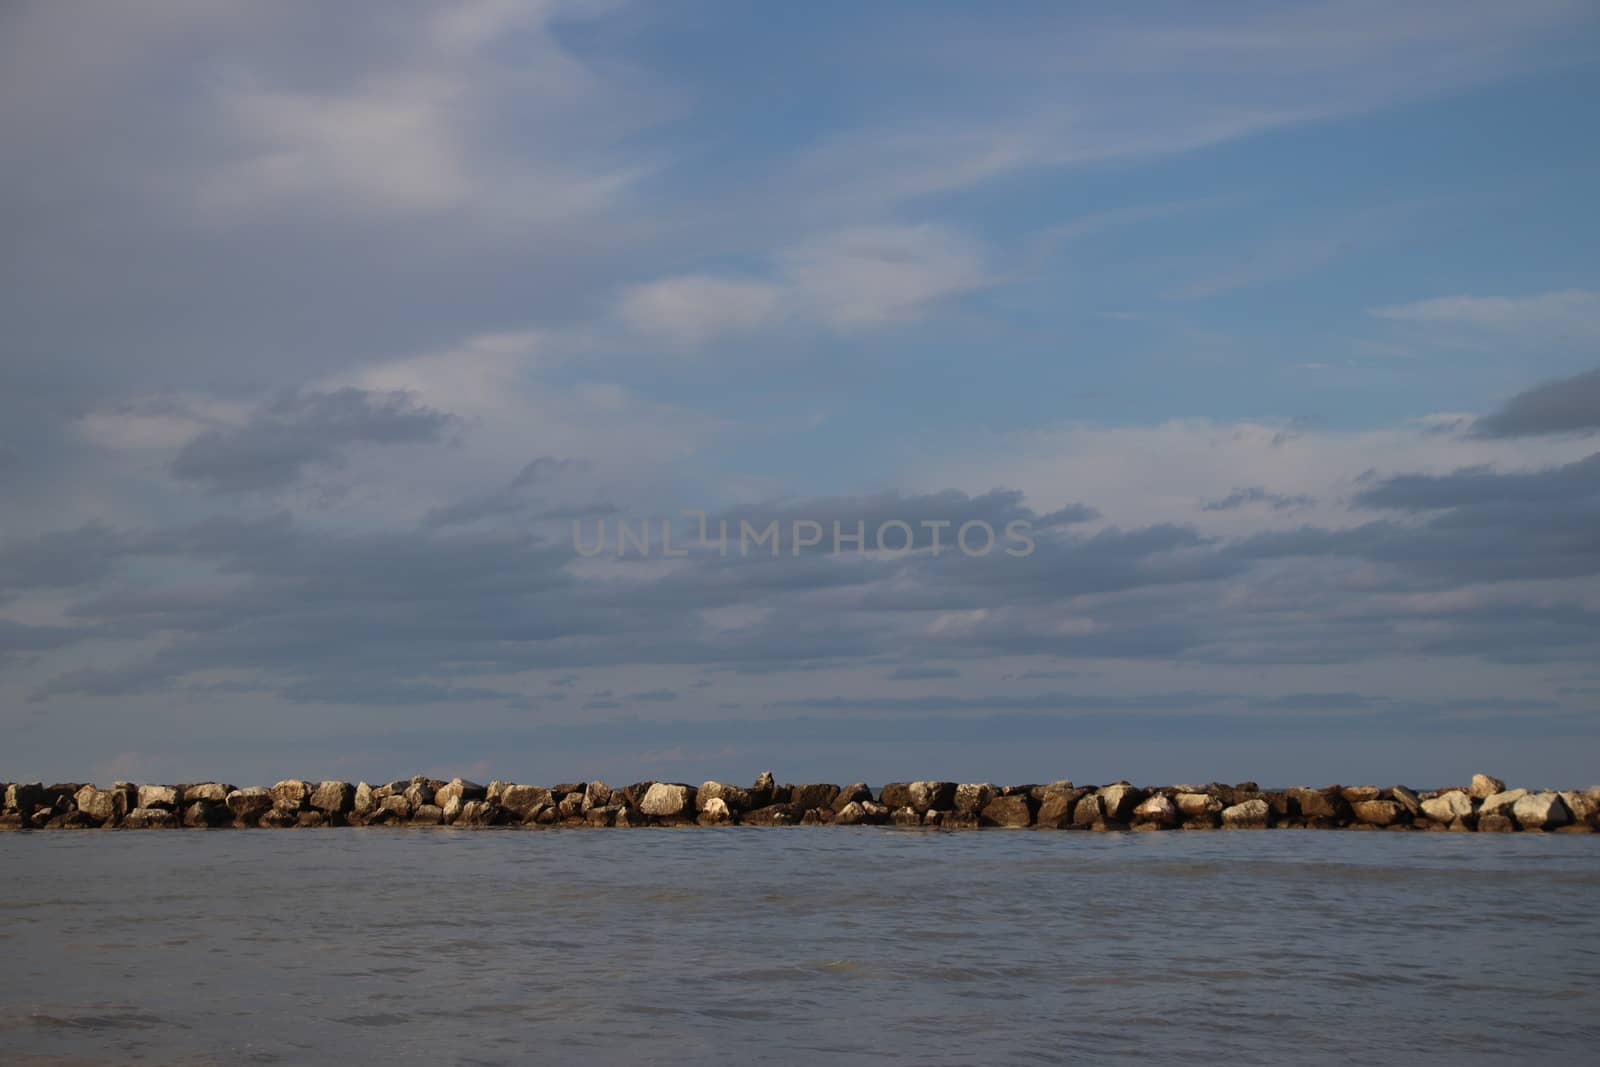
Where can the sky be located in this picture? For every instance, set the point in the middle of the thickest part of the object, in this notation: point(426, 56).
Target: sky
point(1277, 325)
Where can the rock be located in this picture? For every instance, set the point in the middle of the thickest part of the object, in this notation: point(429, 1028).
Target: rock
point(1090, 811)
point(105, 806)
point(1378, 812)
point(1496, 824)
point(1541, 811)
point(70, 820)
point(1055, 809)
point(1407, 799)
point(931, 796)
point(1119, 800)
point(24, 797)
point(1158, 810)
point(896, 795)
point(337, 797)
point(972, 797)
point(396, 805)
point(1250, 815)
point(1483, 787)
point(665, 799)
point(1448, 806)
point(459, 788)
point(1319, 803)
point(150, 819)
point(1355, 794)
point(278, 819)
point(210, 792)
point(570, 806)
point(860, 812)
point(451, 811)
point(428, 815)
point(1500, 803)
point(524, 800)
point(1014, 811)
point(818, 795)
point(854, 793)
point(906, 815)
point(735, 798)
point(164, 797)
point(364, 801)
point(206, 814)
point(249, 805)
point(1585, 807)
point(764, 792)
point(290, 795)
point(774, 815)
point(1193, 805)
point(714, 812)
point(420, 793)
point(1061, 785)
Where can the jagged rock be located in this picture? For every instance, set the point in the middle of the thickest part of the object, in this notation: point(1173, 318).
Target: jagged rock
point(854, 793)
point(906, 815)
point(524, 800)
point(764, 791)
point(420, 793)
point(210, 792)
point(666, 799)
point(1119, 800)
point(775, 815)
point(428, 815)
point(1483, 787)
point(149, 819)
point(397, 805)
point(1407, 799)
point(972, 797)
point(570, 806)
point(1500, 803)
point(1158, 810)
point(278, 819)
point(1250, 815)
point(1010, 811)
point(858, 812)
point(1378, 812)
point(451, 811)
point(478, 813)
point(1541, 811)
point(363, 801)
point(816, 795)
point(1585, 807)
point(736, 798)
point(597, 794)
point(290, 795)
point(164, 797)
point(1448, 806)
point(1041, 792)
point(383, 816)
point(1496, 824)
point(1193, 805)
point(205, 814)
point(1319, 803)
point(1090, 811)
point(104, 806)
point(24, 797)
point(714, 812)
point(1355, 794)
point(459, 788)
point(249, 805)
point(333, 797)
point(926, 796)
point(1055, 808)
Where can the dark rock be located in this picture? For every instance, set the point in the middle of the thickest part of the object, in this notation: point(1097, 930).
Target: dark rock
point(337, 797)
point(735, 798)
point(291, 795)
point(972, 797)
point(1249, 815)
point(205, 814)
point(249, 805)
point(775, 815)
point(428, 815)
point(817, 795)
point(164, 797)
point(524, 800)
point(1496, 824)
point(1014, 811)
point(460, 789)
point(149, 819)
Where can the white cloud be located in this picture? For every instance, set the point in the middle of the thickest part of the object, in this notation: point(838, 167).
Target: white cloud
point(1569, 314)
point(693, 309)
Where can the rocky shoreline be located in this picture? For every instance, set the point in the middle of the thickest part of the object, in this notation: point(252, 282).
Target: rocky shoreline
point(1484, 805)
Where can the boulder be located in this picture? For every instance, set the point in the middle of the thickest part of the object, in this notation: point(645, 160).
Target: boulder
point(923, 797)
point(70, 820)
point(1585, 807)
point(597, 794)
point(164, 797)
point(1090, 811)
point(451, 811)
point(818, 795)
point(715, 812)
point(398, 807)
point(428, 815)
point(523, 801)
point(1250, 815)
point(278, 819)
point(1407, 799)
point(149, 819)
point(1483, 787)
point(854, 793)
point(1355, 794)
point(1541, 811)
point(290, 795)
point(764, 791)
point(1061, 785)
point(24, 797)
point(858, 812)
point(1496, 824)
point(906, 815)
point(459, 788)
point(665, 800)
point(972, 797)
point(1192, 805)
point(363, 801)
point(337, 797)
point(774, 815)
point(1318, 803)
point(1119, 800)
point(210, 792)
point(1158, 810)
point(249, 805)
point(734, 797)
point(1378, 812)
point(206, 814)
point(1055, 809)
point(1500, 803)
point(1448, 806)
point(105, 806)
point(1010, 811)
point(311, 818)
point(570, 806)
point(420, 793)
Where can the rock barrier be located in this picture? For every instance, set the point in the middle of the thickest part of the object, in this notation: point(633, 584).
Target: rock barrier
point(1484, 805)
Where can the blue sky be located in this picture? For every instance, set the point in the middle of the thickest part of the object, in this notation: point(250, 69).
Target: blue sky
point(321, 326)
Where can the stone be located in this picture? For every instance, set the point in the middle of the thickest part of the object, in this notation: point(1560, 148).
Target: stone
point(396, 805)
point(70, 820)
point(210, 792)
point(596, 794)
point(1407, 799)
point(1318, 803)
point(310, 819)
point(1055, 809)
point(1378, 812)
point(451, 811)
point(249, 804)
point(1158, 810)
point(923, 797)
point(1483, 787)
point(428, 815)
point(1061, 785)
point(419, 793)
point(1541, 811)
point(278, 819)
point(1250, 815)
point(570, 806)
point(906, 815)
point(854, 793)
point(524, 800)
point(715, 812)
point(1585, 807)
point(291, 795)
point(1119, 800)
point(337, 797)
point(774, 815)
point(1448, 806)
point(664, 800)
point(1090, 811)
point(972, 797)
point(207, 814)
point(1014, 812)
point(1355, 794)
point(1496, 824)
point(24, 796)
point(149, 819)
point(734, 797)
point(859, 812)
point(764, 791)
point(818, 795)
point(459, 788)
point(1193, 805)
point(364, 801)
point(1500, 803)
point(164, 797)
point(105, 806)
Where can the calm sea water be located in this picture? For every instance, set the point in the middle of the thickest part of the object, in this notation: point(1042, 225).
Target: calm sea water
point(797, 946)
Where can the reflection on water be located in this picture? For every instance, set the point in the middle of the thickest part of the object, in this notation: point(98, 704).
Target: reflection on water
point(797, 946)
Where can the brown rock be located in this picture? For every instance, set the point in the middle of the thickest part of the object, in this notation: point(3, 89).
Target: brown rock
point(290, 795)
point(249, 805)
point(972, 797)
point(1158, 811)
point(818, 795)
point(1483, 787)
point(665, 800)
point(330, 797)
point(775, 815)
point(1496, 824)
point(164, 797)
point(734, 797)
point(1378, 812)
point(1249, 815)
point(149, 819)
point(1014, 811)
point(524, 800)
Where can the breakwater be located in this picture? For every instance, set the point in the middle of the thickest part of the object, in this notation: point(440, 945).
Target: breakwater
point(1483, 805)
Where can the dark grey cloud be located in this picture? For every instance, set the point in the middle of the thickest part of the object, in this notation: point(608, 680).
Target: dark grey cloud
point(1568, 405)
point(299, 429)
point(1257, 495)
point(918, 674)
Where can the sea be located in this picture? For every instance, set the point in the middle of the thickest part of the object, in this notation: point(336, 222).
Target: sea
point(797, 946)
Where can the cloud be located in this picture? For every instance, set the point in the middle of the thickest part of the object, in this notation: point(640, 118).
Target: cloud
point(300, 429)
point(1570, 315)
point(1569, 405)
point(1257, 495)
